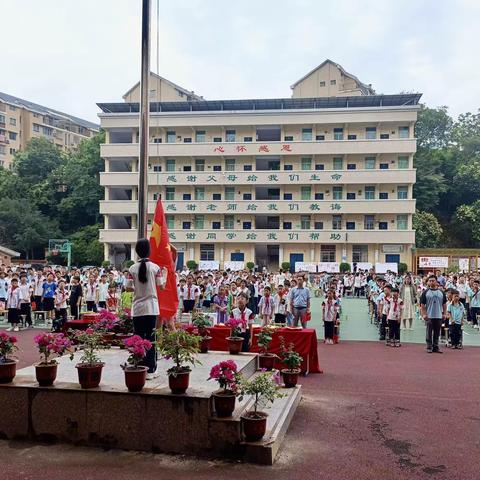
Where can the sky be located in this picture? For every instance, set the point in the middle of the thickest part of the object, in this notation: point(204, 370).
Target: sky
point(69, 55)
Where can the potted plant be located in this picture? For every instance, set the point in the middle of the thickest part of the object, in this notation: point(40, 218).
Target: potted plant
point(292, 360)
point(106, 323)
point(265, 389)
point(250, 266)
point(8, 365)
point(201, 322)
point(181, 347)
point(266, 360)
point(136, 374)
point(90, 366)
point(50, 345)
point(227, 376)
point(235, 339)
point(124, 327)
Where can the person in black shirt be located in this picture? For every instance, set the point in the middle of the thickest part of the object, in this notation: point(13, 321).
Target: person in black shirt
point(76, 294)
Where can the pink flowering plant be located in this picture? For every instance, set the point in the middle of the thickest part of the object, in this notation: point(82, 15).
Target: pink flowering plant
point(52, 345)
point(106, 322)
point(137, 347)
point(92, 342)
point(7, 347)
point(227, 375)
point(236, 325)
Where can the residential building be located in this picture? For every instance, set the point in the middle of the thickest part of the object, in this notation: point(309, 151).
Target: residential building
point(313, 178)
point(22, 120)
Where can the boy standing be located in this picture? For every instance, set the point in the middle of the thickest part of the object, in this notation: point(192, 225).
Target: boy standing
point(266, 307)
point(456, 314)
point(241, 312)
point(48, 294)
point(13, 305)
point(25, 295)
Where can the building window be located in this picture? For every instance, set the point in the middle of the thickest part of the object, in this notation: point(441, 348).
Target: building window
point(306, 193)
point(187, 168)
point(318, 225)
point(186, 225)
point(13, 121)
point(13, 151)
point(12, 108)
point(287, 196)
point(229, 164)
point(305, 222)
point(200, 136)
point(207, 252)
point(306, 134)
point(199, 165)
point(337, 193)
point(338, 163)
point(319, 166)
point(170, 165)
point(288, 138)
point(384, 166)
point(333, 82)
point(351, 166)
point(402, 222)
point(171, 137)
point(229, 193)
point(247, 196)
point(370, 193)
point(351, 196)
point(383, 225)
point(187, 139)
point(327, 253)
point(383, 196)
point(402, 192)
point(306, 163)
point(322, 84)
point(157, 168)
point(371, 133)
point(217, 168)
point(402, 162)
point(287, 225)
point(338, 133)
point(350, 225)
point(319, 138)
point(47, 131)
point(199, 193)
point(247, 225)
point(217, 139)
point(2, 150)
point(384, 136)
point(217, 196)
point(319, 196)
point(247, 139)
point(199, 222)
point(288, 167)
point(36, 127)
point(369, 222)
point(12, 135)
point(403, 132)
point(170, 222)
point(352, 137)
point(2, 119)
point(359, 253)
point(228, 222)
point(157, 140)
point(369, 163)
point(230, 135)
point(336, 222)
point(170, 193)
point(247, 168)
point(216, 225)
point(187, 196)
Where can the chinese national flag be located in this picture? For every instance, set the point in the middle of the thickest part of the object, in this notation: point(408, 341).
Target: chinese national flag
point(164, 255)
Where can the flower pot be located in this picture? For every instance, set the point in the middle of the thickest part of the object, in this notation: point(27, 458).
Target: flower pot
point(46, 374)
point(224, 403)
point(234, 345)
point(266, 361)
point(120, 337)
point(108, 337)
point(205, 344)
point(89, 376)
point(135, 378)
point(290, 377)
point(254, 425)
point(178, 382)
point(8, 370)
point(202, 331)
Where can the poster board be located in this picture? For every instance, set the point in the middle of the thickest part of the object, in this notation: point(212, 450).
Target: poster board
point(234, 266)
point(208, 265)
point(305, 267)
point(433, 262)
point(464, 264)
point(329, 267)
point(384, 267)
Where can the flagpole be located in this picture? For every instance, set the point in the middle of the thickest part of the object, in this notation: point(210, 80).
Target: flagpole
point(144, 123)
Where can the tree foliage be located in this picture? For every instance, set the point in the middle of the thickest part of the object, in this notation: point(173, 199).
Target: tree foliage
point(428, 230)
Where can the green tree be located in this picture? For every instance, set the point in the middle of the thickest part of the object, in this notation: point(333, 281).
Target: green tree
point(86, 249)
point(433, 128)
point(428, 230)
point(469, 216)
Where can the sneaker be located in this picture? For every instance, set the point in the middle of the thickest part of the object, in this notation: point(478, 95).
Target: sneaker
point(151, 376)
point(16, 329)
point(9, 329)
point(429, 350)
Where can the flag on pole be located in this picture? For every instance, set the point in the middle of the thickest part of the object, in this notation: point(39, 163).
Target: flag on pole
point(164, 255)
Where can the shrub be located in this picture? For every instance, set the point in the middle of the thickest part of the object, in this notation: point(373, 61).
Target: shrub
point(192, 265)
point(250, 265)
point(286, 266)
point(345, 267)
point(402, 268)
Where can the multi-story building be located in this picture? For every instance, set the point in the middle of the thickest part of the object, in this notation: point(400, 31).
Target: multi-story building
point(325, 176)
point(21, 120)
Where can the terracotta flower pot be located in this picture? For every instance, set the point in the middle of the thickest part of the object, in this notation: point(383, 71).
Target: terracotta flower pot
point(108, 337)
point(234, 345)
point(254, 425)
point(8, 370)
point(205, 344)
point(46, 374)
point(290, 377)
point(178, 382)
point(89, 376)
point(266, 361)
point(224, 403)
point(135, 378)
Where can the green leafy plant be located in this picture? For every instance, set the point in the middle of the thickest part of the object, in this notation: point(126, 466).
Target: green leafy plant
point(264, 388)
point(265, 338)
point(286, 266)
point(179, 346)
point(290, 358)
point(402, 268)
point(345, 267)
point(201, 321)
point(92, 342)
point(192, 265)
point(250, 265)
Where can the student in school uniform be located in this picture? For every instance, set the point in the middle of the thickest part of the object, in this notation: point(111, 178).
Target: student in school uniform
point(25, 299)
point(220, 304)
point(112, 298)
point(102, 292)
point(456, 315)
point(383, 301)
point(241, 312)
point(13, 305)
point(91, 295)
point(266, 307)
point(394, 316)
point(76, 295)
point(48, 294)
point(190, 295)
point(37, 284)
point(280, 302)
point(61, 297)
point(329, 314)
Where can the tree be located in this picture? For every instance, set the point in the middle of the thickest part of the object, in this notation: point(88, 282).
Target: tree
point(469, 216)
point(86, 249)
point(428, 230)
point(433, 128)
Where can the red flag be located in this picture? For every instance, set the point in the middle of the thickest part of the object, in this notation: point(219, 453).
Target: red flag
point(164, 255)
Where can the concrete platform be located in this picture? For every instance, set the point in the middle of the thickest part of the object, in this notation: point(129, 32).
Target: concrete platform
point(152, 420)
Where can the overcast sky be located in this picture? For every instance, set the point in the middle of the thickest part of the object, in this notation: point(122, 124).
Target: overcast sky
point(69, 54)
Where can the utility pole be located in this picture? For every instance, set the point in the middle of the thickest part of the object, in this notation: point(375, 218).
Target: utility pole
point(144, 123)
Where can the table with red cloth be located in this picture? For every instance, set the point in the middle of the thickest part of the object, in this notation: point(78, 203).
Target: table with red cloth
point(82, 324)
point(304, 341)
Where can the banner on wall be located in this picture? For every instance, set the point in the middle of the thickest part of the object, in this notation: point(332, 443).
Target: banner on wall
point(234, 266)
point(364, 266)
point(385, 267)
point(433, 262)
point(208, 265)
point(329, 267)
point(464, 264)
point(305, 267)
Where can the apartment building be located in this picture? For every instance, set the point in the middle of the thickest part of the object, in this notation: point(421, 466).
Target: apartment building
point(21, 120)
point(324, 176)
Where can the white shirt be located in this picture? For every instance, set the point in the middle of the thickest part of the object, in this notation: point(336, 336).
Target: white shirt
point(37, 285)
point(91, 292)
point(102, 292)
point(145, 298)
point(24, 293)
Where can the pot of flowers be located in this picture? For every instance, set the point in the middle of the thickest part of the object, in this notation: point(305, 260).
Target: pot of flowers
point(8, 365)
point(292, 360)
point(227, 376)
point(90, 366)
point(124, 328)
point(50, 345)
point(235, 339)
point(136, 374)
point(202, 322)
point(106, 323)
point(181, 347)
point(266, 360)
point(264, 388)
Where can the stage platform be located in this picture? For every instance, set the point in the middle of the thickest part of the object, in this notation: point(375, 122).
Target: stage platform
point(153, 420)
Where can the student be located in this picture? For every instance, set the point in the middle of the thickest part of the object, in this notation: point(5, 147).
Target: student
point(61, 297)
point(91, 294)
point(266, 307)
point(25, 296)
point(329, 315)
point(220, 304)
point(475, 303)
point(3, 287)
point(37, 285)
point(112, 298)
point(191, 293)
point(455, 314)
point(394, 316)
point(280, 302)
point(13, 305)
point(102, 292)
point(384, 300)
point(76, 295)
point(48, 294)
point(241, 312)
point(232, 297)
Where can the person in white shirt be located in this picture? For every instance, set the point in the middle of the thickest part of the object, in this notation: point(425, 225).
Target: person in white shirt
point(91, 295)
point(102, 292)
point(190, 295)
point(280, 302)
point(13, 305)
point(37, 285)
point(25, 295)
point(266, 307)
point(60, 299)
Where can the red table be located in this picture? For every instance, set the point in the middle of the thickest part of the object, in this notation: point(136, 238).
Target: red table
point(82, 324)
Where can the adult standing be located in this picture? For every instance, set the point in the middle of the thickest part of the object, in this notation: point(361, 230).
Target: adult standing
point(408, 296)
point(143, 278)
point(300, 302)
point(433, 304)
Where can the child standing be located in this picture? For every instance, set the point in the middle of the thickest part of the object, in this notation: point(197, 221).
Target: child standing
point(383, 301)
point(61, 297)
point(329, 313)
point(266, 307)
point(455, 315)
point(103, 287)
point(75, 297)
point(91, 294)
point(48, 295)
point(25, 296)
point(112, 298)
point(13, 305)
point(394, 317)
point(280, 305)
point(220, 304)
point(241, 312)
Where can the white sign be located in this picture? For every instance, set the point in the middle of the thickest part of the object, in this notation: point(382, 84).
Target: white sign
point(365, 266)
point(464, 264)
point(233, 266)
point(305, 267)
point(208, 265)
point(433, 262)
point(392, 248)
point(385, 267)
point(329, 267)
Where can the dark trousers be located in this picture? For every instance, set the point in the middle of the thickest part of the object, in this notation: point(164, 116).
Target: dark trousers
point(26, 309)
point(144, 326)
point(383, 327)
point(394, 330)
point(433, 332)
point(188, 306)
point(38, 302)
point(74, 310)
point(246, 340)
point(455, 334)
point(474, 312)
point(329, 329)
point(61, 318)
point(91, 306)
point(102, 304)
point(280, 318)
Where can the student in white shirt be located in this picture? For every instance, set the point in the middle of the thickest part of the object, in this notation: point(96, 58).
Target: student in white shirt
point(13, 305)
point(91, 294)
point(102, 292)
point(25, 294)
point(190, 295)
point(394, 316)
point(37, 285)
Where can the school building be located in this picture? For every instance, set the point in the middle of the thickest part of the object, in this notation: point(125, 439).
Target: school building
point(324, 176)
